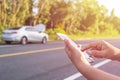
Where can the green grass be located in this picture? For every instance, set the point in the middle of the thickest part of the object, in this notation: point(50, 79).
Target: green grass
point(0, 39)
point(78, 37)
point(81, 37)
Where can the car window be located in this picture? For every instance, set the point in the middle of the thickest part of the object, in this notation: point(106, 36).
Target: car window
point(31, 29)
point(28, 29)
point(14, 28)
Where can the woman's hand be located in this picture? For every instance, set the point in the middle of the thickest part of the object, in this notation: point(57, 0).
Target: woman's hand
point(75, 54)
point(98, 49)
point(102, 49)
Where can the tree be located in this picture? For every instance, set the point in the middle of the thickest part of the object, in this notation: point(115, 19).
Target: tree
point(58, 12)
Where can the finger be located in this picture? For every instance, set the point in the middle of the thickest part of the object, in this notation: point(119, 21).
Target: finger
point(79, 46)
point(69, 44)
point(67, 52)
point(90, 45)
point(66, 42)
point(96, 53)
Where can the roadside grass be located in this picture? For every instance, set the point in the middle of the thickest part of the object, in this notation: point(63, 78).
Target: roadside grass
point(85, 36)
point(0, 39)
point(80, 37)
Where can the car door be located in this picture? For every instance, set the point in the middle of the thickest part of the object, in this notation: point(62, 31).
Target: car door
point(37, 35)
point(31, 34)
point(40, 28)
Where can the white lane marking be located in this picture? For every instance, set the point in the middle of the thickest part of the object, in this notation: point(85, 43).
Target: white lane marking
point(101, 63)
point(8, 46)
point(77, 75)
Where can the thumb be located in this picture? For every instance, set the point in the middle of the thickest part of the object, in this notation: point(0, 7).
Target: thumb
point(95, 53)
point(79, 46)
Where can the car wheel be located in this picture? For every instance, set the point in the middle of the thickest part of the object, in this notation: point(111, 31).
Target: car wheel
point(8, 42)
point(44, 40)
point(24, 41)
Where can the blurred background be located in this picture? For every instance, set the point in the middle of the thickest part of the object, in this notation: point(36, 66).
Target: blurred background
point(80, 19)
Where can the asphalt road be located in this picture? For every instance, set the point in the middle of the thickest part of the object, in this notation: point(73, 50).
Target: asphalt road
point(46, 62)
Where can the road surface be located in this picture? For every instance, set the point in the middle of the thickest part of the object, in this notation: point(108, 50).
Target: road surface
point(46, 62)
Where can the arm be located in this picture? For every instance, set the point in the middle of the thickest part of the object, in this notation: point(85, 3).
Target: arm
point(91, 73)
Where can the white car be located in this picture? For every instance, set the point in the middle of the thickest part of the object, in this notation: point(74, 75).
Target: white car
point(25, 34)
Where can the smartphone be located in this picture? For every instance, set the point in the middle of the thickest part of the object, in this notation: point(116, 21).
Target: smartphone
point(63, 36)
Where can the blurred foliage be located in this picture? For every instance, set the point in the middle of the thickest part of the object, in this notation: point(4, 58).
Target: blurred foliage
point(82, 17)
point(52, 33)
